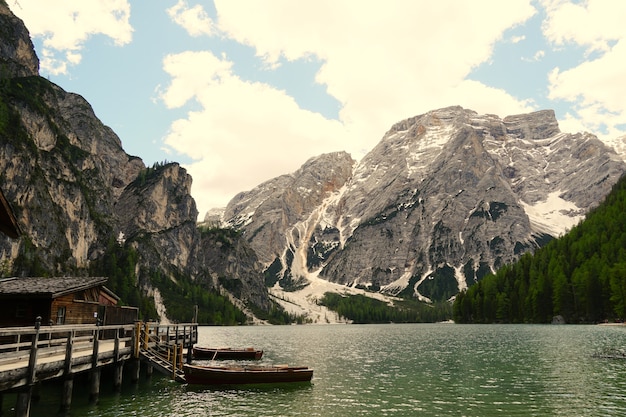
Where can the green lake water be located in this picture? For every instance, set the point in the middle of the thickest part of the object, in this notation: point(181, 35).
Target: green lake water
point(392, 370)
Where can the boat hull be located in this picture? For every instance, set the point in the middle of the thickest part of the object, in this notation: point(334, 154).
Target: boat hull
point(221, 375)
point(226, 353)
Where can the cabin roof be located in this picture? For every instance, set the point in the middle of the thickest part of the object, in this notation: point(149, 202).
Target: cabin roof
point(8, 222)
point(48, 287)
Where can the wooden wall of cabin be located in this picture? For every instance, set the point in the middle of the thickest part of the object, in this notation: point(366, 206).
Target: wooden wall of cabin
point(119, 314)
point(75, 311)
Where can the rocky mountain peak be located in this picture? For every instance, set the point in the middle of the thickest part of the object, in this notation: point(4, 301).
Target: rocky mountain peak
point(537, 125)
point(444, 198)
point(17, 54)
point(270, 211)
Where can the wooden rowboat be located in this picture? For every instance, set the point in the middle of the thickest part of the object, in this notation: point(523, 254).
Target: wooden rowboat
point(226, 353)
point(228, 375)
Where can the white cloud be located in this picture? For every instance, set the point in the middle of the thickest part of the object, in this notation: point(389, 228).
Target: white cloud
point(593, 23)
point(195, 20)
point(67, 25)
point(595, 86)
point(244, 133)
point(382, 64)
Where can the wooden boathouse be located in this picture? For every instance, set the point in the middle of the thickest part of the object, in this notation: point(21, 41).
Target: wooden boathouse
point(61, 300)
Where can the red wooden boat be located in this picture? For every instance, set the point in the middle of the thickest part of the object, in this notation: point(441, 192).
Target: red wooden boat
point(226, 353)
point(228, 375)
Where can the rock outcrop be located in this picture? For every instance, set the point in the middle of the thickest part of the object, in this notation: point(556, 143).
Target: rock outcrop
point(17, 54)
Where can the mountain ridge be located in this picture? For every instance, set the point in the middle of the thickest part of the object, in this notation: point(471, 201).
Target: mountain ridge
point(445, 197)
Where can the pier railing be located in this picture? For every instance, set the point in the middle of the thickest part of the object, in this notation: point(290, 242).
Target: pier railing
point(29, 355)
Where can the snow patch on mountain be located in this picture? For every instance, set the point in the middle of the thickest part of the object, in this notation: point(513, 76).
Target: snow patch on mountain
point(554, 215)
point(305, 302)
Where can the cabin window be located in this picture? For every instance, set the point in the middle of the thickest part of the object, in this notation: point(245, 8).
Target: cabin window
point(20, 311)
point(61, 315)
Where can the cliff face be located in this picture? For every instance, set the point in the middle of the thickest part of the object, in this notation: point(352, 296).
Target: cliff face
point(74, 189)
point(280, 214)
point(17, 55)
point(443, 199)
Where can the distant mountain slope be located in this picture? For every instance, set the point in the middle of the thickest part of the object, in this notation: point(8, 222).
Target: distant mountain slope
point(580, 277)
point(444, 199)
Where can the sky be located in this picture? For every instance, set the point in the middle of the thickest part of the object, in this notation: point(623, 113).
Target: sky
point(242, 91)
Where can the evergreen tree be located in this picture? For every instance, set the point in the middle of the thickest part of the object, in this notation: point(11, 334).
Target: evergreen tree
point(580, 276)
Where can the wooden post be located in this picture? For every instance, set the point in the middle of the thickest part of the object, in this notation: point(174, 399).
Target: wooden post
point(32, 360)
point(117, 376)
point(119, 365)
point(68, 352)
point(174, 361)
point(68, 383)
point(137, 339)
point(136, 370)
point(146, 335)
point(96, 346)
point(94, 386)
point(189, 354)
point(66, 398)
point(94, 389)
point(116, 346)
point(22, 404)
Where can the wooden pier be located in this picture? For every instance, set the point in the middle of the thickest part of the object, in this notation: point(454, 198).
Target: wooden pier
point(31, 355)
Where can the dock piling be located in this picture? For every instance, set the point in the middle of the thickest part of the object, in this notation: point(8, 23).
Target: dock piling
point(66, 396)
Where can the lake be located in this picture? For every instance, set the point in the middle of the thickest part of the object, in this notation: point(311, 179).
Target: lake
point(394, 370)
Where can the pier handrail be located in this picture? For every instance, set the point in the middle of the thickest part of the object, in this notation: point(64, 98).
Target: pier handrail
point(15, 339)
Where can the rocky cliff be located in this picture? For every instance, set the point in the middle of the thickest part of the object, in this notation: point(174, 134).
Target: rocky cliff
point(443, 199)
point(17, 55)
point(74, 189)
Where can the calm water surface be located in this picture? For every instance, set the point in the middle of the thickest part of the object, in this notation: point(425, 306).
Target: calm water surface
point(395, 370)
